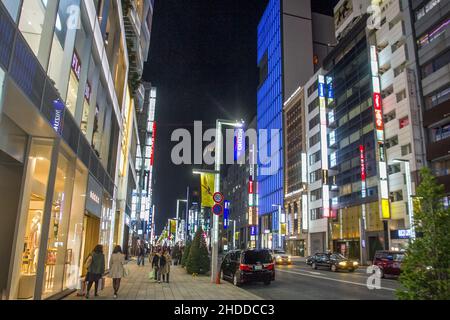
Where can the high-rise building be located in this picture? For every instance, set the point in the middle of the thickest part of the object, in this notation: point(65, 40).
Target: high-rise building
point(431, 20)
point(292, 42)
point(295, 173)
point(369, 141)
point(66, 119)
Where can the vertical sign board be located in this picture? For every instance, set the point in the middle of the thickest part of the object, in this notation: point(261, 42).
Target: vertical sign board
point(362, 160)
point(226, 212)
point(239, 145)
point(379, 128)
point(304, 211)
point(324, 142)
point(58, 116)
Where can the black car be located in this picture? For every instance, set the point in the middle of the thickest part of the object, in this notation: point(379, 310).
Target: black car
point(332, 261)
point(243, 266)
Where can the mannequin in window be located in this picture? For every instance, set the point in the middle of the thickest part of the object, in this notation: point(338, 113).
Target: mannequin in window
point(35, 232)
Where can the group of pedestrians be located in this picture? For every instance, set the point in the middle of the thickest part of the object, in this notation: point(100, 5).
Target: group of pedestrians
point(161, 261)
point(95, 264)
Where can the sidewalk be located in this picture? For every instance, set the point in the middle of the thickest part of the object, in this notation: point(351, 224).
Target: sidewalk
point(181, 287)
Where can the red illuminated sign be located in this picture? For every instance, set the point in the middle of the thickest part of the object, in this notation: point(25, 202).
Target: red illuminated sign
point(250, 187)
point(363, 162)
point(153, 143)
point(378, 111)
point(76, 64)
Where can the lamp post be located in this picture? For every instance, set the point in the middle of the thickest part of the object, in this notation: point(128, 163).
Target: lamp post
point(409, 194)
point(218, 153)
point(178, 217)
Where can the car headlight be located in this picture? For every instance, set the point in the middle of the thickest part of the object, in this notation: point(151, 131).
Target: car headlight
point(278, 258)
point(342, 263)
point(355, 263)
point(289, 258)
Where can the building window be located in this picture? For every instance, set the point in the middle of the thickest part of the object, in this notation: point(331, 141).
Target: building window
point(315, 157)
point(263, 69)
point(403, 122)
point(394, 168)
point(313, 105)
point(436, 64)
point(313, 88)
point(396, 195)
point(316, 214)
point(31, 22)
point(401, 95)
point(316, 194)
point(421, 12)
point(314, 139)
point(438, 97)
point(333, 159)
point(434, 34)
point(391, 142)
point(389, 116)
point(440, 133)
point(406, 149)
point(345, 189)
point(315, 176)
point(314, 121)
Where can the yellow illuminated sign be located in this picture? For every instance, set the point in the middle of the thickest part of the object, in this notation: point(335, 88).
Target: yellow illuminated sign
point(283, 229)
point(207, 183)
point(385, 210)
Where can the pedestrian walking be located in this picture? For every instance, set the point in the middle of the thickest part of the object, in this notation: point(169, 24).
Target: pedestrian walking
point(164, 266)
point(96, 269)
point(155, 265)
point(141, 255)
point(116, 268)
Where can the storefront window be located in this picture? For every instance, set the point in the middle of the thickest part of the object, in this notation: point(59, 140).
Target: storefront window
point(75, 235)
point(105, 226)
point(72, 93)
point(31, 22)
point(2, 79)
point(57, 255)
point(35, 188)
point(85, 114)
point(13, 7)
point(63, 44)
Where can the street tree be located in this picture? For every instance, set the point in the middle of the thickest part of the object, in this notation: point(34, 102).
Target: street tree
point(185, 256)
point(198, 260)
point(426, 266)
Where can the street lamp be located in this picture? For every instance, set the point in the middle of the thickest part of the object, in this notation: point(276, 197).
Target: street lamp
point(409, 194)
point(176, 226)
point(218, 152)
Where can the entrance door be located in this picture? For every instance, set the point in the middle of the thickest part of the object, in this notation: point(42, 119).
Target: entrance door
point(91, 238)
point(11, 172)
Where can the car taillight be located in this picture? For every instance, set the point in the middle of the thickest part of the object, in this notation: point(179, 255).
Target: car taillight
point(245, 267)
point(269, 266)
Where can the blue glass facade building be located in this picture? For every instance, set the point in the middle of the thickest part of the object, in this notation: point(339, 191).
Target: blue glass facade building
point(270, 104)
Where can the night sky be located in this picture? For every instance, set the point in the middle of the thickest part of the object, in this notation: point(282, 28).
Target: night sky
point(203, 62)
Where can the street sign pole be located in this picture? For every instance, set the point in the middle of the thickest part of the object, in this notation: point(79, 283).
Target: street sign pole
point(215, 233)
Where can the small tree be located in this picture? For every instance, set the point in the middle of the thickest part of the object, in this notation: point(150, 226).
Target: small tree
point(198, 261)
point(426, 267)
point(185, 257)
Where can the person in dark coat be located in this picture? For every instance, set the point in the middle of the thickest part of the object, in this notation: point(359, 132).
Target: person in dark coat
point(96, 269)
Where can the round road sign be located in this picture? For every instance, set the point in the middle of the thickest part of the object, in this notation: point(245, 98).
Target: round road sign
point(217, 209)
point(218, 197)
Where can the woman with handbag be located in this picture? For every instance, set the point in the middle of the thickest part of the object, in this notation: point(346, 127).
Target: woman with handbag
point(117, 268)
point(96, 269)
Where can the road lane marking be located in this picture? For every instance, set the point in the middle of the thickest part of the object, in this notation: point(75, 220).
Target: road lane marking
point(337, 280)
point(312, 272)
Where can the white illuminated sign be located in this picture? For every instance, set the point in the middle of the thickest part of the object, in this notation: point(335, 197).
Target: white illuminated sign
point(305, 212)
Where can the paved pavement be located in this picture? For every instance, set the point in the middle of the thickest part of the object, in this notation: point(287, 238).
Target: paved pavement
point(182, 286)
point(301, 282)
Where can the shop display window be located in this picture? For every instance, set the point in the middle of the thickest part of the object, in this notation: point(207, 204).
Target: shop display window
point(31, 22)
point(72, 93)
point(35, 189)
point(105, 226)
point(63, 44)
point(75, 235)
point(57, 254)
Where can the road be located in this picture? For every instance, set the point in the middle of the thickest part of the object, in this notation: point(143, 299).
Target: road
point(300, 282)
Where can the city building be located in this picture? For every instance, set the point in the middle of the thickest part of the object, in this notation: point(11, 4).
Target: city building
point(295, 174)
point(64, 111)
point(292, 40)
point(363, 125)
point(431, 22)
point(240, 219)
